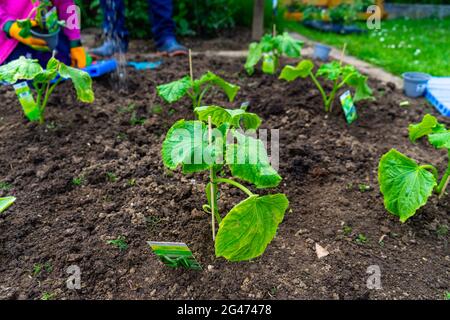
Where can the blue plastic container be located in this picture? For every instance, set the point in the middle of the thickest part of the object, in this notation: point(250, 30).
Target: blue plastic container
point(321, 52)
point(52, 39)
point(438, 94)
point(415, 83)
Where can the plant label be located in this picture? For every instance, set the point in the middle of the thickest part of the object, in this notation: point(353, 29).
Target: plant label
point(349, 107)
point(5, 203)
point(29, 106)
point(175, 255)
point(51, 20)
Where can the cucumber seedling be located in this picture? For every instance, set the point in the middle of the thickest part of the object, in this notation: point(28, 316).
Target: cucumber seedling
point(340, 75)
point(196, 89)
point(44, 82)
point(270, 49)
point(45, 19)
point(201, 146)
point(406, 185)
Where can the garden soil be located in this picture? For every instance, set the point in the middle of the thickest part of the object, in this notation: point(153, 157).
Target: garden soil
point(114, 146)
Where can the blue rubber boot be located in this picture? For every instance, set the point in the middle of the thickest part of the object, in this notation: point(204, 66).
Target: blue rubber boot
point(170, 47)
point(109, 48)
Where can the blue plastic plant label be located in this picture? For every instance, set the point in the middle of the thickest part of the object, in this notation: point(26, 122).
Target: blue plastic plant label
point(349, 107)
point(175, 255)
point(29, 105)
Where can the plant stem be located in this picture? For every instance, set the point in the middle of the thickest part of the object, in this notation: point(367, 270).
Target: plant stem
point(440, 189)
point(322, 91)
point(432, 169)
point(236, 184)
point(213, 190)
point(48, 92)
point(200, 98)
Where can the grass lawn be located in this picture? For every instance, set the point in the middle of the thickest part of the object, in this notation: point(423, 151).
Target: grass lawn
point(399, 46)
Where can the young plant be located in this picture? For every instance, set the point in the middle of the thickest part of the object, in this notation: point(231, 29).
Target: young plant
point(406, 185)
point(340, 75)
point(270, 49)
point(120, 243)
point(44, 82)
point(202, 146)
point(45, 22)
point(196, 88)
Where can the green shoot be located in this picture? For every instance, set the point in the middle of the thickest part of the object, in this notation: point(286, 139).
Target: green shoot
point(335, 72)
point(201, 146)
point(270, 49)
point(406, 185)
point(120, 243)
point(45, 82)
point(196, 89)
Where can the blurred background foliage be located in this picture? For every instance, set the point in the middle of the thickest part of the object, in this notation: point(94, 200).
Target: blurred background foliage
point(193, 17)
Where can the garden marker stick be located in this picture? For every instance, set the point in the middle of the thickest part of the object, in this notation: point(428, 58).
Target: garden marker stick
point(191, 70)
point(211, 176)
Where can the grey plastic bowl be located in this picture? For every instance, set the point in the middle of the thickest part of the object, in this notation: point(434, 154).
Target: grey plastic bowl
point(415, 83)
point(50, 38)
point(321, 52)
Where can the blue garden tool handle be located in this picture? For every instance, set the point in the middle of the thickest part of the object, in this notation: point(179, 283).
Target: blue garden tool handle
point(101, 67)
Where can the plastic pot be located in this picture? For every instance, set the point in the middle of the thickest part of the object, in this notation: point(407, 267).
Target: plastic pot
point(415, 83)
point(50, 38)
point(321, 52)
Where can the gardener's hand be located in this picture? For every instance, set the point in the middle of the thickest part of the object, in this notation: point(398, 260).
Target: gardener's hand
point(13, 29)
point(78, 56)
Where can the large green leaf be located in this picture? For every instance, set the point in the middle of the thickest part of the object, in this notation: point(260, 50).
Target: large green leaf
point(288, 46)
point(5, 203)
point(234, 117)
point(81, 81)
point(187, 144)
point(428, 125)
point(250, 226)
point(302, 70)
point(230, 89)
point(20, 69)
point(248, 161)
point(331, 71)
point(254, 55)
point(50, 72)
point(362, 89)
point(175, 90)
point(440, 140)
point(269, 63)
point(406, 186)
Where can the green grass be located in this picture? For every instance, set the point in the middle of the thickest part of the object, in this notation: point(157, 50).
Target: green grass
point(399, 46)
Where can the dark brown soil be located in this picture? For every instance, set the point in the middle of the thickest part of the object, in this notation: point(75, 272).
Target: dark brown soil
point(322, 161)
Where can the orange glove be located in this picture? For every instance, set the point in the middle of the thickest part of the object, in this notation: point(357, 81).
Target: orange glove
point(78, 57)
point(35, 43)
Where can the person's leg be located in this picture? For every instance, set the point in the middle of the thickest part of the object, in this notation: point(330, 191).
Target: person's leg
point(114, 29)
point(163, 27)
point(114, 19)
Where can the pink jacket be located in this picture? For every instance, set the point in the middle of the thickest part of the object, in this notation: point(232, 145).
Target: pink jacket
point(20, 9)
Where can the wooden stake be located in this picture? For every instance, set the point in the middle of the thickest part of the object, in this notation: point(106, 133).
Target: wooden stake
point(343, 52)
point(212, 197)
point(191, 70)
point(274, 30)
